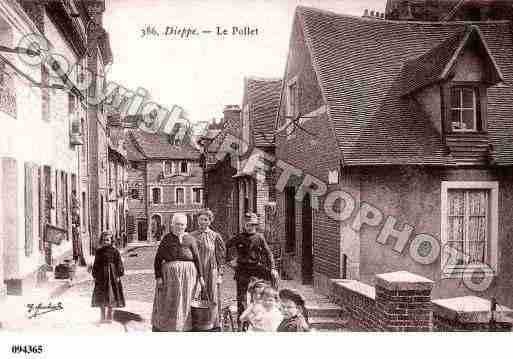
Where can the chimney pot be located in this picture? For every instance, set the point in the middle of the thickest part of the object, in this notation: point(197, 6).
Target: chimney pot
point(366, 12)
point(372, 13)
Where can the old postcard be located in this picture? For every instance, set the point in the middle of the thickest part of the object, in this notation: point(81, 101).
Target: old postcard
point(255, 166)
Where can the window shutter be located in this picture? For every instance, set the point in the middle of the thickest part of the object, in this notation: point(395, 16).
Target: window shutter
point(482, 108)
point(445, 92)
point(29, 209)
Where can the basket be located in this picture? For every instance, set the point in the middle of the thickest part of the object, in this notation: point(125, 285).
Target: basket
point(201, 312)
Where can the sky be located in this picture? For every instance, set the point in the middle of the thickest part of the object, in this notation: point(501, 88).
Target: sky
point(204, 73)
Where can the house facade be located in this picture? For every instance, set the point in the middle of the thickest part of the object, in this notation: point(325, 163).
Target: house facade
point(233, 185)
point(405, 145)
point(164, 177)
point(39, 145)
point(221, 184)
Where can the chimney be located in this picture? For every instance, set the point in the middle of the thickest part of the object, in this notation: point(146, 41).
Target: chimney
point(372, 13)
point(231, 112)
point(366, 13)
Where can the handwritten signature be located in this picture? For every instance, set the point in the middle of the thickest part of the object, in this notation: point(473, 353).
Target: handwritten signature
point(40, 309)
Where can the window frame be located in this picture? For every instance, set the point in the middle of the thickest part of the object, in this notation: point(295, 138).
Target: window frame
point(461, 109)
point(245, 124)
point(460, 271)
point(481, 105)
point(161, 199)
point(193, 197)
point(176, 196)
point(290, 108)
point(136, 190)
point(180, 168)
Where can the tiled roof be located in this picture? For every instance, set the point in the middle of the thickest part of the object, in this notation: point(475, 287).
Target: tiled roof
point(359, 63)
point(435, 65)
point(156, 146)
point(231, 127)
point(132, 150)
point(264, 96)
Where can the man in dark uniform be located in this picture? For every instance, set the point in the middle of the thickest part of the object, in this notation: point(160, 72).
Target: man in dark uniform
point(253, 259)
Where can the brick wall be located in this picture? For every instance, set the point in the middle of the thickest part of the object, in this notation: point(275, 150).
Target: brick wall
point(401, 301)
point(314, 155)
point(222, 198)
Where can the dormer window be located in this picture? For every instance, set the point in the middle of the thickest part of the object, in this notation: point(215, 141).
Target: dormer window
point(464, 109)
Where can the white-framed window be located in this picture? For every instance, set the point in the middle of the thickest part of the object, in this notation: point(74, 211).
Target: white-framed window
point(197, 195)
point(168, 168)
point(464, 110)
point(156, 195)
point(180, 195)
point(292, 104)
point(183, 168)
point(245, 124)
point(469, 227)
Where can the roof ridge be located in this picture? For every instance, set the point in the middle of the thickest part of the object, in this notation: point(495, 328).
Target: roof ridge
point(406, 22)
point(263, 79)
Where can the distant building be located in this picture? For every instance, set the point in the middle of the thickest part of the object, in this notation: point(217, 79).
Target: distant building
point(233, 185)
point(164, 177)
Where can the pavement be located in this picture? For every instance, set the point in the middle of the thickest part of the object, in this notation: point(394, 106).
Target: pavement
point(72, 301)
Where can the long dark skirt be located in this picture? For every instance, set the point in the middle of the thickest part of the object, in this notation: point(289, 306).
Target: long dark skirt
point(109, 291)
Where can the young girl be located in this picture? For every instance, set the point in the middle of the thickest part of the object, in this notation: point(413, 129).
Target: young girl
point(254, 310)
point(272, 316)
point(294, 312)
point(107, 272)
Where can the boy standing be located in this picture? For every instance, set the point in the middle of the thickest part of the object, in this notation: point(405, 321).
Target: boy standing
point(253, 259)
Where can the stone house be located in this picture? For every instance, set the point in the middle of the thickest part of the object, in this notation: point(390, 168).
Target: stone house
point(164, 177)
point(406, 161)
point(40, 110)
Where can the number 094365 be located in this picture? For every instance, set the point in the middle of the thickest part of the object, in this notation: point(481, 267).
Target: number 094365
point(27, 349)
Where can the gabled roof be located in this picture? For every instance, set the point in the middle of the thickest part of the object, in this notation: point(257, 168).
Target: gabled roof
point(359, 64)
point(231, 127)
point(263, 94)
point(157, 146)
point(436, 65)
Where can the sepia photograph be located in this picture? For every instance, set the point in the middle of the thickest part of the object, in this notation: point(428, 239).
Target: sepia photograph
point(240, 168)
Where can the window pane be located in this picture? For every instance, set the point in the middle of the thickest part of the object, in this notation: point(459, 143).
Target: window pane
point(455, 120)
point(468, 120)
point(478, 203)
point(456, 202)
point(455, 98)
point(456, 229)
point(468, 98)
point(457, 257)
point(180, 195)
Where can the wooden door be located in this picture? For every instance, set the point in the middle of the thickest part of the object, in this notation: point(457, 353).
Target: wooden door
point(307, 258)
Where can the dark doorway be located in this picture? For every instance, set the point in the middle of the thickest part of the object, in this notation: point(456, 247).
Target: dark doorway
point(142, 231)
point(307, 258)
point(290, 220)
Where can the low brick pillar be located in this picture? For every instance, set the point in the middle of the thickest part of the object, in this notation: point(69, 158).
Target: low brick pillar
point(403, 302)
point(470, 313)
point(357, 300)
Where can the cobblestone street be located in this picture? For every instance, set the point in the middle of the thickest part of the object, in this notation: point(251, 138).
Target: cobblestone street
point(139, 286)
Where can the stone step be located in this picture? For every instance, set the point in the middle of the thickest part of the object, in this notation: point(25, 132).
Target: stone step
point(329, 310)
point(327, 324)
